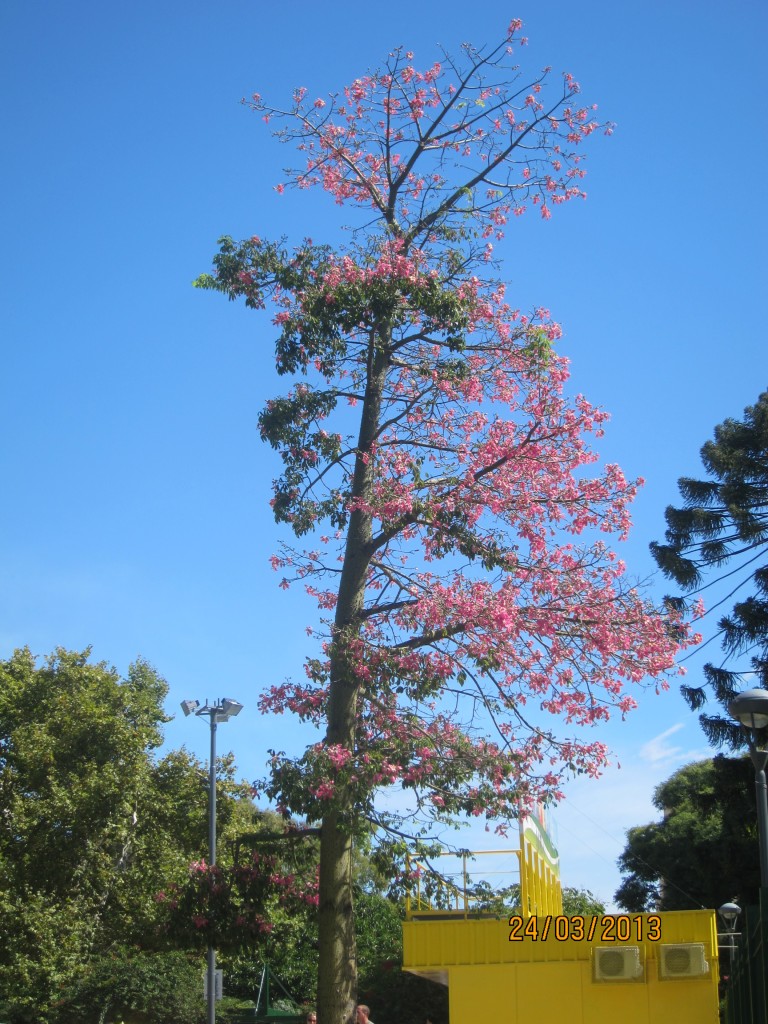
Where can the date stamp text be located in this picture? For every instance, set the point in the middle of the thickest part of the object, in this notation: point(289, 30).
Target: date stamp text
point(608, 928)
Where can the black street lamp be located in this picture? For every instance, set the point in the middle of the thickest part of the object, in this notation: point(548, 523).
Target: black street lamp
point(750, 708)
point(729, 915)
point(218, 712)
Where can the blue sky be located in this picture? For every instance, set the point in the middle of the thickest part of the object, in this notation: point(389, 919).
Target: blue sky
point(135, 515)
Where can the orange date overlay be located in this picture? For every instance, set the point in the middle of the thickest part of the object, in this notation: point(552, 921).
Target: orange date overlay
point(609, 928)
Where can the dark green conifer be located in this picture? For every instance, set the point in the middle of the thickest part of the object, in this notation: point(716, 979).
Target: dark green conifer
point(720, 536)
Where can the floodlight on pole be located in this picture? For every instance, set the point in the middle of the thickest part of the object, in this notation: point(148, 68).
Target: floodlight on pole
point(231, 708)
point(219, 711)
point(750, 708)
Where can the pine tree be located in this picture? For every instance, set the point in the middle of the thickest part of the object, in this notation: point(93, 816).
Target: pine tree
point(721, 533)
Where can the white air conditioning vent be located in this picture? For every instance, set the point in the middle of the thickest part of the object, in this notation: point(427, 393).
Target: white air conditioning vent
point(617, 963)
point(682, 960)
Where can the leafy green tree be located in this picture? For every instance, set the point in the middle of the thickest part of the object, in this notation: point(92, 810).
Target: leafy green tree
point(703, 853)
point(72, 736)
point(721, 533)
point(92, 825)
point(581, 902)
point(74, 742)
point(156, 988)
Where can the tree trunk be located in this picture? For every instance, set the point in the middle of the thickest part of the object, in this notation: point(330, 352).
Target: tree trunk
point(337, 977)
point(337, 967)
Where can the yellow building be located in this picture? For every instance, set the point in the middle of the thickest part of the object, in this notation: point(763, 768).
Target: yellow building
point(540, 967)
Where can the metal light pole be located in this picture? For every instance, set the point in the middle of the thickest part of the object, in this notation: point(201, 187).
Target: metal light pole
point(218, 712)
point(750, 708)
point(729, 915)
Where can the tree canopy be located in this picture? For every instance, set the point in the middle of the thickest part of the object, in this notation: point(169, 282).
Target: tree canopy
point(106, 899)
point(457, 520)
point(720, 536)
point(703, 853)
point(92, 825)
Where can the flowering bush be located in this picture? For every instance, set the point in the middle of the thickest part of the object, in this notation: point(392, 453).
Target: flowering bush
point(228, 907)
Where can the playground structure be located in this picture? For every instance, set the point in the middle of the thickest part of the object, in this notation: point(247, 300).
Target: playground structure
point(531, 962)
point(433, 895)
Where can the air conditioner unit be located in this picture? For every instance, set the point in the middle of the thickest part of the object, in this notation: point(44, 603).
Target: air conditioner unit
point(682, 960)
point(617, 963)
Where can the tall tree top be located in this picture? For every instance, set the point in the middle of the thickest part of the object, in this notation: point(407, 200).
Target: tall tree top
point(719, 535)
point(443, 154)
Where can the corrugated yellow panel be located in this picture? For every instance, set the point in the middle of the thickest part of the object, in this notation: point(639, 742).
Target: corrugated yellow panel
point(450, 941)
point(553, 993)
point(551, 980)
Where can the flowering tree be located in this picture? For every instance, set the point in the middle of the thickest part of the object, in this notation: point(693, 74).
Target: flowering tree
point(445, 481)
point(232, 906)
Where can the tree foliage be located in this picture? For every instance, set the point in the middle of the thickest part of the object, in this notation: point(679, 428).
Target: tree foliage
point(92, 825)
point(74, 784)
point(581, 903)
point(444, 513)
point(704, 851)
point(231, 906)
point(720, 533)
point(130, 982)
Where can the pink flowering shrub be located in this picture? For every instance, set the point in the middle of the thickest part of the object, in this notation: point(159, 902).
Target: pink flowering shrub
point(232, 906)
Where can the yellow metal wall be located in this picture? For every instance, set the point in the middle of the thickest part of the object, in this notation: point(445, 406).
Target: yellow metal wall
point(550, 982)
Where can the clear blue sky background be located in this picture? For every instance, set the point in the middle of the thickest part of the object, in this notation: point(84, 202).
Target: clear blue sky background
point(134, 515)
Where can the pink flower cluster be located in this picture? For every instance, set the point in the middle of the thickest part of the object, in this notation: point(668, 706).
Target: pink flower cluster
point(364, 145)
point(489, 620)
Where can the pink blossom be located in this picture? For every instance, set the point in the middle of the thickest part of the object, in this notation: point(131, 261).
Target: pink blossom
point(467, 560)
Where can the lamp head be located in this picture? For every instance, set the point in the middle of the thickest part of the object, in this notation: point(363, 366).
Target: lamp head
point(750, 708)
point(190, 706)
point(729, 913)
point(230, 707)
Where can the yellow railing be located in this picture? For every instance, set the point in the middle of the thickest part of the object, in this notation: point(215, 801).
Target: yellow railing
point(432, 894)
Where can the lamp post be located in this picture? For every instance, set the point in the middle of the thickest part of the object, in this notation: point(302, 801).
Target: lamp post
point(215, 713)
point(729, 915)
point(750, 708)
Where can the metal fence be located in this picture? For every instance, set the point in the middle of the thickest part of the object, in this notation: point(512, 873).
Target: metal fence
point(746, 991)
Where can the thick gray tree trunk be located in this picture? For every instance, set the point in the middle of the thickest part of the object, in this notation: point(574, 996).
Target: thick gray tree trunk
point(337, 968)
